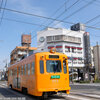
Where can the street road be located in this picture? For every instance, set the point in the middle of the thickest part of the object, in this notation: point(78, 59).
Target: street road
point(78, 92)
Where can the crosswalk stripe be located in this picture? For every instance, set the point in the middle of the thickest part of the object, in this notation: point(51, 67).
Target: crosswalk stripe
point(77, 97)
point(88, 95)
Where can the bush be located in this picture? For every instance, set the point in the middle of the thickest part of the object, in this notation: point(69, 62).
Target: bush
point(84, 81)
point(96, 81)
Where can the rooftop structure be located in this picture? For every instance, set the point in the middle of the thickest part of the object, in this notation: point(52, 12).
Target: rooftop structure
point(19, 52)
point(26, 40)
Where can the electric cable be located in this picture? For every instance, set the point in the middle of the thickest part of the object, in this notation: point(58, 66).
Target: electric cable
point(92, 19)
point(3, 12)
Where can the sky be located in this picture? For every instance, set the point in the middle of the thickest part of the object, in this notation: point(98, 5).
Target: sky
point(11, 31)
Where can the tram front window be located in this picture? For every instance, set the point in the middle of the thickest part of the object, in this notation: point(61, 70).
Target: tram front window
point(53, 66)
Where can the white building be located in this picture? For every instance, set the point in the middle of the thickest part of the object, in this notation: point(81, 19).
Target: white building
point(66, 41)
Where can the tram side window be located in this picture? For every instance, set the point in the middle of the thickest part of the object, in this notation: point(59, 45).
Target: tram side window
point(32, 69)
point(22, 70)
point(64, 67)
point(19, 71)
point(15, 71)
point(25, 70)
point(11, 72)
point(41, 67)
point(28, 69)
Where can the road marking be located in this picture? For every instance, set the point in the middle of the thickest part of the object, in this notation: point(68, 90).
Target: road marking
point(77, 97)
point(2, 85)
point(93, 95)
point(88, 95)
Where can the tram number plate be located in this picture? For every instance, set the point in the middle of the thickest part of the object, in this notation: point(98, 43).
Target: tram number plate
point(55, 77)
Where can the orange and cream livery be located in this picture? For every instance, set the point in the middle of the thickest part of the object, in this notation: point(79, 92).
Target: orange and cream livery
point(40, 74)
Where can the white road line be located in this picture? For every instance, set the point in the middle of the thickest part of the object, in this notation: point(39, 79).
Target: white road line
point(91, 95)
point(88, 95)
point(77, 97)
point(3, 85)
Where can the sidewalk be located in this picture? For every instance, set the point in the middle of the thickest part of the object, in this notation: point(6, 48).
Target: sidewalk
point(86, 84)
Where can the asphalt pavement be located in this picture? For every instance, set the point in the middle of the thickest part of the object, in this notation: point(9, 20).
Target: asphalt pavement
point(78, 92)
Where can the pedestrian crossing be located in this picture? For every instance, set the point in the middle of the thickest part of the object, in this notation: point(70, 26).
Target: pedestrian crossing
point(84, 96)
point(79, 96)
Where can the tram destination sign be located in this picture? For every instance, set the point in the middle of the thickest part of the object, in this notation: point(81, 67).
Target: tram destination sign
point(53, 56)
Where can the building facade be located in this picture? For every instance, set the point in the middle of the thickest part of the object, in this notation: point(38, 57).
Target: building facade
point(65, 41)
point(21, 51)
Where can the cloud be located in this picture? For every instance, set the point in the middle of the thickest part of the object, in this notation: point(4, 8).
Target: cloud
point(58, 24)
point(27, 6)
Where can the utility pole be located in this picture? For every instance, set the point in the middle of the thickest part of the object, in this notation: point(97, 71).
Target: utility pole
point(6, 64)
point(98, 61)
point(72, 67)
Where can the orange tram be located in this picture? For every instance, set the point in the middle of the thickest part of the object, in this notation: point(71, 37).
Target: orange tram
point(40, 74)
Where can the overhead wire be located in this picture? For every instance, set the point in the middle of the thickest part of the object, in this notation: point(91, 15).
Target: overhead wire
point(45, 17)
point(81, 8)
point(64, 11)
point(24, 22)
point(92, 19)
point(1, 4)
point(96, 24)
point(55, 12)
point(94, 3)
point(30, 14)
point(31, 24)
point(77, 10)
point(3, 12)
